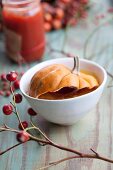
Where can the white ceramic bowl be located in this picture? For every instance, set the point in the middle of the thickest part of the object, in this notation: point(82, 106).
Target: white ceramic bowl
point(67, 111)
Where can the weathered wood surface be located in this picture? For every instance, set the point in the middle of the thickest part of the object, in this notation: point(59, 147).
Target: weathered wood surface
point(95, 130)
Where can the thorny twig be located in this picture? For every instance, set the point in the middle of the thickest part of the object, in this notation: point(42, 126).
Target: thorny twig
point(51, 143)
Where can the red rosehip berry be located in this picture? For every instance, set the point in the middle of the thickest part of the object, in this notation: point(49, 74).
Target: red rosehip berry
point(23, 136)
point(57, 24)
point(110, 10)
point(59, 13)
point(25, 125)
point(11, 76)
point(84, 2)
point(4, 88)
point(48, 17)
point(47, 26)
point(1, 93)
point(7, 109)
point(3, 77)
point(16, 84)
point(5, 83)
point(18, 98)
point(66, 1)
point(8, 93)
point(31, 112)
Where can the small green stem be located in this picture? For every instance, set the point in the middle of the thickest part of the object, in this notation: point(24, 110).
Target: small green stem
point(42, 133)
point(29, 128)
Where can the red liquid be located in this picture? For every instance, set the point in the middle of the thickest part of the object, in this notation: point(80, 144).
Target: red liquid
point(31, 31)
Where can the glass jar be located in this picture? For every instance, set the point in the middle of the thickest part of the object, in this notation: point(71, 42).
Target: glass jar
point(24, 29)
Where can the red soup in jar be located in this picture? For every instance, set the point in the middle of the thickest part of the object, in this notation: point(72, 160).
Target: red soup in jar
point(24, 29)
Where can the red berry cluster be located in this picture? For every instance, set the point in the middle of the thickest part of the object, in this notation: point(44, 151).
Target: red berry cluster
point(23, 136)
point(17, 98)
point(8, 109)
point(4, 85)
point(63, 12)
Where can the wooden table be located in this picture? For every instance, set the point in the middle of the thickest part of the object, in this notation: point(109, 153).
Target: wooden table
point(95, 130)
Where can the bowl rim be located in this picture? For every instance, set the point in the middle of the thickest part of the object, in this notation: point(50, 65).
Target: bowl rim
point(69, 99)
